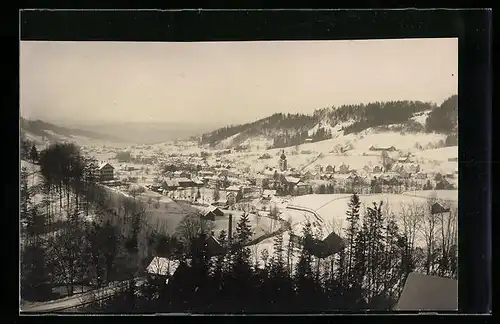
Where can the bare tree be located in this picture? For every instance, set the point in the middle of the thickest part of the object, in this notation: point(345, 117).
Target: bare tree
point(428, 229)
point(67, 261)
point(191, 226)
point(448, 225)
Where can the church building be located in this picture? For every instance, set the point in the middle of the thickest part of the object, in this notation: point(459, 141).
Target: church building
point(282, 161)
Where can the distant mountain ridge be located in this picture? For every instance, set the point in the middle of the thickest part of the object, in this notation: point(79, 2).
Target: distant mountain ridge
point(119, 132)
point(150, 132)
point(284, 130)
point(52, 132)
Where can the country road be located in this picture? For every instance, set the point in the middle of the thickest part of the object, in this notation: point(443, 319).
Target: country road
point(72, 301)
point(308, 210)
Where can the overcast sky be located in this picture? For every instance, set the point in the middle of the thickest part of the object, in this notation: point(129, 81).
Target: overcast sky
point(226, 82)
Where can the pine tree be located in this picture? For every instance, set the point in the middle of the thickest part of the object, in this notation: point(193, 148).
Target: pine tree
point(352, 230)
point(220, 266)
point(242, 238)
point(278, 262)
point(33, 154)
point(200, 265)
point(304, 276)
point(24, 197)
point(359, 262)
point(241, 270)
point(375, 240)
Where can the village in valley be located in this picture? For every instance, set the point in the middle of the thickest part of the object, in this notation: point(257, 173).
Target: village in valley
point(335, 213)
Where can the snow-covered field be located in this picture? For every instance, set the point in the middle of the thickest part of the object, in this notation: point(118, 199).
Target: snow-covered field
point(359, 154)
point(332, 208)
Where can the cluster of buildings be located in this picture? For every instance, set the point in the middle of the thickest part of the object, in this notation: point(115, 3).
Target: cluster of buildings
point(403, 175)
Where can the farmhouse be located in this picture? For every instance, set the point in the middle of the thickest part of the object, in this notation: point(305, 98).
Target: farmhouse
point(106, 171)
point(162, 267)
point(210, 213)
point(292, 182)
point(444, 184)
point(171, 184)
point(181, 174)
point(329, 245)
point(437, 208)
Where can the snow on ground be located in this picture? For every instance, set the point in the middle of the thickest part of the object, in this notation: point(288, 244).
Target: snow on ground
point(336, 130)
point(440, 154)
point(360, 155)
point(37, 139)
point(259, 143)
point(361, 142)
point(227, 142)
point(268, 244)
point(260, 225)
point(34, 178)
point(332, 208)
point(421, 117)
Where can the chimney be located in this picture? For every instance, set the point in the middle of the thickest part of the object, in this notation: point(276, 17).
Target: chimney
point(230, 229)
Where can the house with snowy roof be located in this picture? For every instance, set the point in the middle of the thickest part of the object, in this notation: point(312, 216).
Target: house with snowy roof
point(106, 172)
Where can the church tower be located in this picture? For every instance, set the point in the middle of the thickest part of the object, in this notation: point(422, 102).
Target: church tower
point(282, 162)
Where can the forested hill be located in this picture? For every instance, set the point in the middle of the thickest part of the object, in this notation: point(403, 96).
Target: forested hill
point(53, 132)
point(293, 129)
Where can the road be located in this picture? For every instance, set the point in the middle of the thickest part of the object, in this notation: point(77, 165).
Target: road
point(308, 210)
point(73, 301)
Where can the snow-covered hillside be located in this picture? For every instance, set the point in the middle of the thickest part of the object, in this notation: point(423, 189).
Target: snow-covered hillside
point(332, 208)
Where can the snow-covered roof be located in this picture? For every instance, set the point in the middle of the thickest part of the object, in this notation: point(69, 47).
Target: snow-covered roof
point(197, 181)
point(428, 293)
point(269, 192)
point(172, 182)
point(105, 164)
point(162, 266)
point(292, 180)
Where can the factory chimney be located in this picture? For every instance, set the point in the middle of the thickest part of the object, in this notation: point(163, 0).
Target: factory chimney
point(230, 229)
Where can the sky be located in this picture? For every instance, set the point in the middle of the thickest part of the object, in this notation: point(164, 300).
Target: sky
point(226, 82)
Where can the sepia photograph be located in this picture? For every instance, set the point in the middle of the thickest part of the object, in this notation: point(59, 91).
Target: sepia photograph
point(239, 177)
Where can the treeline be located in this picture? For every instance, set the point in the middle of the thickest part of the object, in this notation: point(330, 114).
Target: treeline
point(265, 126)
point(296, 138)
point(368, 272)
point(377, 114)
point(290, 139)
point(444, 119)
point(293, 127)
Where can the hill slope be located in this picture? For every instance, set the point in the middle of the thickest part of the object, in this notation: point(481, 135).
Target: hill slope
point(40, 132)
point(284, 130)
